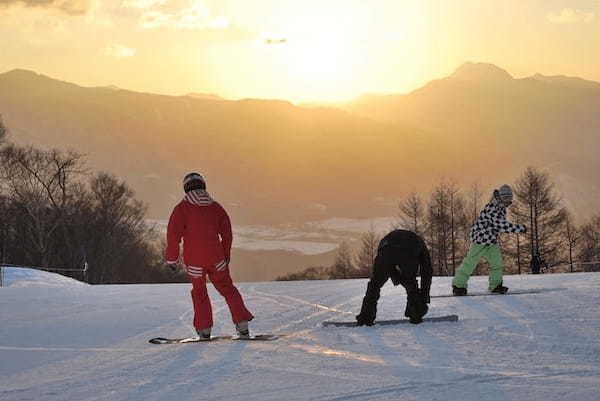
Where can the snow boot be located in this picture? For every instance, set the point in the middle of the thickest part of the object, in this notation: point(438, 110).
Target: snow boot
point(204, 333)
point(363, 321)
point(459, 292)
point(416, 307)
point(500, 289)
point(242, 329)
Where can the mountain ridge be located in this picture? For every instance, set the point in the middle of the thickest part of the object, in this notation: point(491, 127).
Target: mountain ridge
point(269, 154)
point(481, 72)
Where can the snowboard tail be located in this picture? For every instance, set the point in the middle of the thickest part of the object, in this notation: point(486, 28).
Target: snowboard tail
point(446, 318)
point(258, 337)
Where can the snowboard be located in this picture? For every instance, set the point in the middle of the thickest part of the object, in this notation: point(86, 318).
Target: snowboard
point(258, 337)
point(483, 294)
point(446, 318)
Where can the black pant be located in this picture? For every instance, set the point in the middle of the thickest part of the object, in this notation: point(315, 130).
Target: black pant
point(401, 266)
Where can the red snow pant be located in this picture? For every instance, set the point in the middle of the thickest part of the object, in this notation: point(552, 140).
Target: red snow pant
point(202, 307)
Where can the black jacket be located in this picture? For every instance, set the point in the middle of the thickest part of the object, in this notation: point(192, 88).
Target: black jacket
point(406, 256)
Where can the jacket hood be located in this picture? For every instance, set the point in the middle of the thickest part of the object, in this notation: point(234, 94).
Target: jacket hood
point(198, 197)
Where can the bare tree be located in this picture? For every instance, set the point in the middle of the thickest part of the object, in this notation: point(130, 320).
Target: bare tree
point(5, 231)
point(517, 239)
point(438, 213)
point(343, 266)
point(40, 182)
point(412, 213)
point(4, 224)
point(52, 216)
point(458, 223)
point(118, 222)
point(366, 254)
point(589, 244)
point(572, 237)
point(473, 206)
point(3, 131)
point(538, 204)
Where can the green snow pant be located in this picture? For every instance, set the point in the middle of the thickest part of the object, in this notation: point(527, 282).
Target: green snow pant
point(477, 251)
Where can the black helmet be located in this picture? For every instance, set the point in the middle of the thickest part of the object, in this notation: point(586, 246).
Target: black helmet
point(193, 181)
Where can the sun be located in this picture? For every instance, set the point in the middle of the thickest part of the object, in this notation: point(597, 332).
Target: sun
point(327, 57)
point(322, 57)
point(323, 51)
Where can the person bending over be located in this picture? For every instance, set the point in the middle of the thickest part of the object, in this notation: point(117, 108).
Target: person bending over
point(401, 256)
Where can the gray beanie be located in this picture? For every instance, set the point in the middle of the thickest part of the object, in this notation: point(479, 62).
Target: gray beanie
point(505, 191)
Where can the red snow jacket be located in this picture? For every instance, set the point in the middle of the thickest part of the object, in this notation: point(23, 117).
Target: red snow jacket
point(206, 231)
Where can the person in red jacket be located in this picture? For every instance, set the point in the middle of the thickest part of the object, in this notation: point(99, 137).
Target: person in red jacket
point(205, 228)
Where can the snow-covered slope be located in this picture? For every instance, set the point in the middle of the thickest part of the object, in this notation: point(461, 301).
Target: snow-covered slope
point(91, 343)
point(24, 277)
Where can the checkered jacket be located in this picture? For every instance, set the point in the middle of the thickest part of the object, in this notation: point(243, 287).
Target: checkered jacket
point(491, 222)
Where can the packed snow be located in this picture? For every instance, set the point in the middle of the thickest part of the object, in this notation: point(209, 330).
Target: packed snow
point(91, 343)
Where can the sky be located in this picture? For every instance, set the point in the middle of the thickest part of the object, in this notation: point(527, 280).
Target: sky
point(300, 50)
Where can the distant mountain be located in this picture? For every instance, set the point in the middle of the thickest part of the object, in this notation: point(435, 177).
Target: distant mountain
point(205, 96)
point(269, 161)
point(265, 160)
point(496, 124)
point(481, 73)
point(572, 82)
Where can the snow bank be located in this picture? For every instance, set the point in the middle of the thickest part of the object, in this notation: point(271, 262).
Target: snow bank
point(20, 277)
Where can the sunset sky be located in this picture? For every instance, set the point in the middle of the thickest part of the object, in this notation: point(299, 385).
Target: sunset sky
point(321, 50)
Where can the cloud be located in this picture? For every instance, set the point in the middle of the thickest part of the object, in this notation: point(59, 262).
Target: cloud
point(571, 16)
point(119, 51)
point(196, 16)
point(71, 7)
point(142, 3)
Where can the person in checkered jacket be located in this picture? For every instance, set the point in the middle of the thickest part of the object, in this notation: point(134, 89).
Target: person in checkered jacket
point(484, 242)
